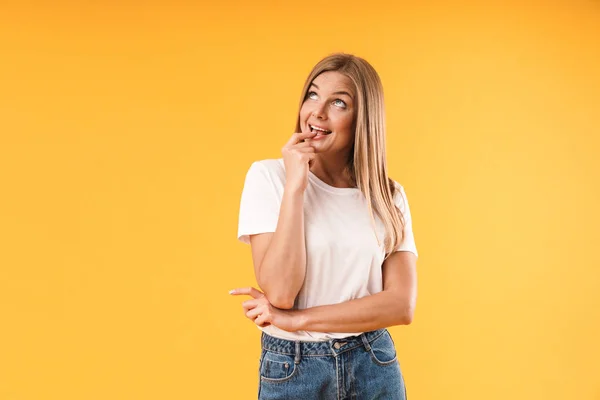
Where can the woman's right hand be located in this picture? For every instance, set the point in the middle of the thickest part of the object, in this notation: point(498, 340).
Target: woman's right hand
point(297, 158)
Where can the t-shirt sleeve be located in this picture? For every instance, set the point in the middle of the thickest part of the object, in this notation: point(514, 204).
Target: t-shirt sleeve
point(259, 205)
point(408, 240)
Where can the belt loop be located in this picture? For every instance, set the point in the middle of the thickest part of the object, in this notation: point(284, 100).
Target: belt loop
point(297, 357)
point(365, 342)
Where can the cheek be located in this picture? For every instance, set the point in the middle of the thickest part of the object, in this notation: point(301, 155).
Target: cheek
point(304, 112)
point(344, 123)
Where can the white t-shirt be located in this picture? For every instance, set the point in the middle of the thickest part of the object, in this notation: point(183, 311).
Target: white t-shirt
point(343, 258)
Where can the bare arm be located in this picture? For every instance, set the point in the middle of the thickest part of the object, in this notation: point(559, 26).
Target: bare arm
point(280, 257)
point(395, 305)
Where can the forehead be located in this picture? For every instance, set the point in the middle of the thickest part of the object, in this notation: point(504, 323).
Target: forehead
point(333, 81)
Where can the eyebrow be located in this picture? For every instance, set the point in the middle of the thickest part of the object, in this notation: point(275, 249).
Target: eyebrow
point(339, 92)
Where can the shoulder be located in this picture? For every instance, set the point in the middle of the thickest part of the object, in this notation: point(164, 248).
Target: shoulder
point(398, 188)
point(270, 164)
point(399, 195)
point(271, 169)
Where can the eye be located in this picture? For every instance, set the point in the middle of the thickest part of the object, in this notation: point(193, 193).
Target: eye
point(340, 103)
point(337, 102)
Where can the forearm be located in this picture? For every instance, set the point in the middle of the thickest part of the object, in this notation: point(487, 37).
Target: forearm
point(283, 268)
point(377, 311)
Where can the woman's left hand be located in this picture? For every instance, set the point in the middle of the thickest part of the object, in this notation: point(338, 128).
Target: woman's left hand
point(260, 311)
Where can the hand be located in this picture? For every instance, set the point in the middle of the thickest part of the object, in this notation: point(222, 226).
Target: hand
point(263, 313)
point(297, 158)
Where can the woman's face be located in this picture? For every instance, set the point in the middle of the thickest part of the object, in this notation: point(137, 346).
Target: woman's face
point(329, 105)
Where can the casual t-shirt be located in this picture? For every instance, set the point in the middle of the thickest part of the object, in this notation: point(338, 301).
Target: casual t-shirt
point(343, 257)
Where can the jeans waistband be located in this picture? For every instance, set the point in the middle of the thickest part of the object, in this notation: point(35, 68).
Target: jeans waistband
point(331, 347)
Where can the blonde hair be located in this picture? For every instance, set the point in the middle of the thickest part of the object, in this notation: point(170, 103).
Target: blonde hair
point(366, 166)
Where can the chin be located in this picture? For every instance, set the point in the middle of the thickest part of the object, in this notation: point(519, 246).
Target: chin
point(320, 147)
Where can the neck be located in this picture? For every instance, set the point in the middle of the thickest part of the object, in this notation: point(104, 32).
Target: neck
point(332, 170)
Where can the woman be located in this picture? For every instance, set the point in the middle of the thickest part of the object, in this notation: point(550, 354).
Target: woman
point(330, 284)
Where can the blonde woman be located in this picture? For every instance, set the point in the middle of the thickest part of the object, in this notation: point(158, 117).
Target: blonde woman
point(332, 246)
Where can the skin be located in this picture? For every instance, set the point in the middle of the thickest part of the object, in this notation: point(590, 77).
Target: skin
point(330, 104)
point(286, 246)
point(394, 305)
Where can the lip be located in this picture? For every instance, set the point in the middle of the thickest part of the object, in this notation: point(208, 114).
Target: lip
point(319, 137)
point(318, 126)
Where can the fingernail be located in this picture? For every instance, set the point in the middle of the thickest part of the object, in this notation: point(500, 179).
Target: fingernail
point(232, 291)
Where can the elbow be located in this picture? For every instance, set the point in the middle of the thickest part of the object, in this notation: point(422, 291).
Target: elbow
point(405, 316)
point(279, 299)
point(283, 302)
point(406, 319)
point(403, 309)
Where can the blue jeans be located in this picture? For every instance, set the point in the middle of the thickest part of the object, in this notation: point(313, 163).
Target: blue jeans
point(362, 367)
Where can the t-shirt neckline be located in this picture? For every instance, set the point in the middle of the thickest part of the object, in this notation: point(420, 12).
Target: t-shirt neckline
point(317, 181)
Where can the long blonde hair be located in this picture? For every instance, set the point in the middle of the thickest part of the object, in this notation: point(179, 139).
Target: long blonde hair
point(366, 166)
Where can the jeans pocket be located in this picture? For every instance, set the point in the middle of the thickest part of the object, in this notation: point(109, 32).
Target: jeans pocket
point(277, 367)
point(383, 351)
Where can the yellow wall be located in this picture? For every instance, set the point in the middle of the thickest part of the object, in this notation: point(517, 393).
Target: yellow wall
point(126, 132)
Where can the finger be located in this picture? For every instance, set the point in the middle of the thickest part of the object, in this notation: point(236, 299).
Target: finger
point(255, 312)
point(302, 145)
point(298, 137)
point(309, 156)
point(247, 290)
point(250, 304)
point(308, 149)
point(263, 320)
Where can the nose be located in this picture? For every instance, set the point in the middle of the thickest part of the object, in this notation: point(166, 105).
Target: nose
point(319, 111)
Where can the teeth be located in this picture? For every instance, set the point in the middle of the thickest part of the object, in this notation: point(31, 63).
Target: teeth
point(319, 129)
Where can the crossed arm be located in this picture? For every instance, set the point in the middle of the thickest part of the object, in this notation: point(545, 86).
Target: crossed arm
point(395, 305)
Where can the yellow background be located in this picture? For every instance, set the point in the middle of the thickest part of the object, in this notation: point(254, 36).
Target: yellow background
point(127, 129)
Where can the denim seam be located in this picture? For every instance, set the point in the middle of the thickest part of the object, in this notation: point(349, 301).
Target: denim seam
point(337, 377)
point(324, 354)
point(280, 380)
point(383, 363)
point(386, 363)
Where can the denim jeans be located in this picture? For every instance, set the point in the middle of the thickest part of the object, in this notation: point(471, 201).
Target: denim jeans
point(361, 367)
